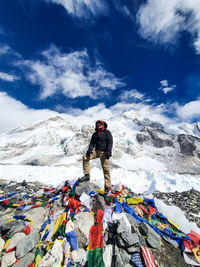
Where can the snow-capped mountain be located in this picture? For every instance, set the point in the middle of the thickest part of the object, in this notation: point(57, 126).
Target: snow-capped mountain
point(147, 156)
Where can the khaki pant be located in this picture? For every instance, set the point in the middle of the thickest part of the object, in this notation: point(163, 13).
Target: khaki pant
point(104, 164)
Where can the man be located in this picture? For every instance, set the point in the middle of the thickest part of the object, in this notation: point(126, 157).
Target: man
point(100, 147)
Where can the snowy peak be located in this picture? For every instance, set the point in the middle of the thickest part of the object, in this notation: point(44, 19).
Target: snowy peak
point(133, 115)
point(46, 133)
point(51, 122)
point(37, 144)
point(139, 144)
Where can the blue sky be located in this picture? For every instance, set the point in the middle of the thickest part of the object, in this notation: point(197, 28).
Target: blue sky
point(91, 56)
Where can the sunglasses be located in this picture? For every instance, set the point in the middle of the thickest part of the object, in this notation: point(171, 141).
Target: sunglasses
point(99, 123)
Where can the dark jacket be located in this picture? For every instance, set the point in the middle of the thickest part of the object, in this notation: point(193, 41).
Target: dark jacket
point(101, 141)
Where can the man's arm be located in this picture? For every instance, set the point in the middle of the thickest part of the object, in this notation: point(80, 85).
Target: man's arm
point(91, 146)
point(109, 145)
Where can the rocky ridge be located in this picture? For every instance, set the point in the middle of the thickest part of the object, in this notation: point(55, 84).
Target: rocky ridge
point(26, 209)
point(187, 201)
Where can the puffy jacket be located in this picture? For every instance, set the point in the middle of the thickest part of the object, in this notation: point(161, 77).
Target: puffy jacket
point(102, 141)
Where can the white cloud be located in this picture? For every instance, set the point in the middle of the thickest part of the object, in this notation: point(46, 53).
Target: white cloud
point(129, 95)
point(8, 77)
point(4, 49)
point(162, 21)
point(15, 113)
point(165, 87)
point(164, 83)
point(168, 89)
point(189, 111)
point(83, 8)
point(7, 50)
point(72, 74)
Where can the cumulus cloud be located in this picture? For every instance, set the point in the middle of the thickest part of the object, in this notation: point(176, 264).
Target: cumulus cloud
point(73, 75)
point(165, 87)
point(8, 77)
point(16, 114)
point(83, 8)
point(190, 111)
point(129, 95)
point(162, 21)
point(153, 112)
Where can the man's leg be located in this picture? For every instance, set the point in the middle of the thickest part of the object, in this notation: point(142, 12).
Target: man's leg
point(86, 162)
point(106, 170)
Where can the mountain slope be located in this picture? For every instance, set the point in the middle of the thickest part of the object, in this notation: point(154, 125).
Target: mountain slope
point(146, 155)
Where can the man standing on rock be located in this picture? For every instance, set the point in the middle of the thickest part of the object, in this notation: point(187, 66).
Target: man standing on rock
point(100, 147)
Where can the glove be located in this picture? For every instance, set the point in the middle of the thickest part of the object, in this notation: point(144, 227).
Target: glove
point(108, 155)
point(88, 153)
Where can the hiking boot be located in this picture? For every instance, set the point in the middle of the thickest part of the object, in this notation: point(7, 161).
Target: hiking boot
point(85, 178)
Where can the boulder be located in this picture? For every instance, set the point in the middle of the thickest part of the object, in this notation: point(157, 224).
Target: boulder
point(86, 187)
point(129, 239)
point(153, 239)
point(15, 239)
point(12, 227)
point(82, 229)
point(98, 202)
point(8, 259)
point(25, 261)
point(27, 244)
point(38, 215)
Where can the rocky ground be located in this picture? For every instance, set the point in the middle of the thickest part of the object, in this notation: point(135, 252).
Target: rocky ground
point(187, 201)
point(24, 208)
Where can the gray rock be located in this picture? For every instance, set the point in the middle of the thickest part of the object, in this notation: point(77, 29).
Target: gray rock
point(27, 244)
point(6, 211)
point(81, 255)
point(86, 187)
point(8, 259)
point(82, 229)
point(17, 229)
point(171, 241)
point(134, 226)
point(153, 239)
point(38, 215)
point(15, 199)
point(15, 239)
point(122, 227)
point(130, 239)
point(13, 227)
point(98, 202)
point(2, 221)
point(187, 144)
point(117, 259)
point(168, 255)
point(142, 241)
point(133, 249)
point(2, 242)
point(152, 136)
point(125, 257)
point(25, 261)
point(142, 138)
point(187, 201)
point(120, 242)
point(10, 225)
